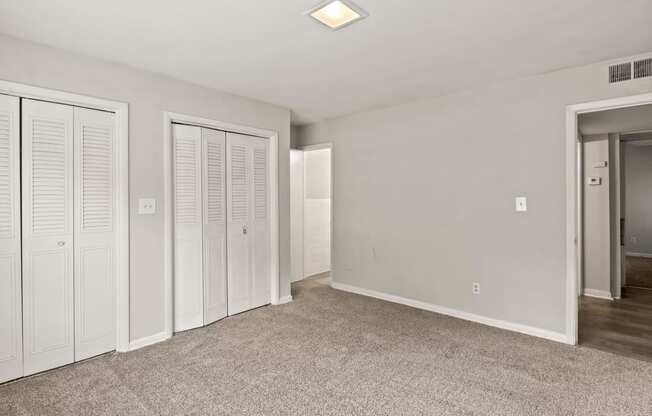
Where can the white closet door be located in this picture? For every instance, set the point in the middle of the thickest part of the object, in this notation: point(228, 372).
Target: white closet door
point(214, 195)
point(94, 233)
point(47, 235)
point(248, 223)
point(11, 332)
point(238, 201)
point(260, 250)
point(188, 280)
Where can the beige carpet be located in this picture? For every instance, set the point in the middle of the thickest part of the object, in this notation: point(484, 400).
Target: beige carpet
point(333, 353)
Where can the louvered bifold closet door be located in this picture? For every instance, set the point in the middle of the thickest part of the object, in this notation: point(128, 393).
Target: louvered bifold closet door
point(260, 219)
point(95, 203)
point(248, 222)
point(188, 279)
point(238, 170)
point(214, 230)
point(47, 194)
point(11, 321)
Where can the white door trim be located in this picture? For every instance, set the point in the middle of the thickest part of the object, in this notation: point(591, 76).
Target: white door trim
point(168, 119)
point(574, 203)
point(121, 111)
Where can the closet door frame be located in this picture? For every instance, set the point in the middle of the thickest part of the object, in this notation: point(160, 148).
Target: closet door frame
point(121, 175)
point(272, 136)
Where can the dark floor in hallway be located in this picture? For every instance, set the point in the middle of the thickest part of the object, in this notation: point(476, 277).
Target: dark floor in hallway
point(622, 326)
point(638, 271)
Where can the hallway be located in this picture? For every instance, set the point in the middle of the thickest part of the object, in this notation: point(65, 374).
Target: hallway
point(621, 326)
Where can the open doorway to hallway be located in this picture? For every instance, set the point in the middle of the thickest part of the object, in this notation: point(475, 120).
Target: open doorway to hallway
point(615, 309)
point(311, 213)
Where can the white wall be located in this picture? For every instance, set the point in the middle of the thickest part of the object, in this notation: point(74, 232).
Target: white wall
point(424, 195)
point(317, 212)
point(296, 214)
point(149, 95)
point(597, 217)
point(638, 199)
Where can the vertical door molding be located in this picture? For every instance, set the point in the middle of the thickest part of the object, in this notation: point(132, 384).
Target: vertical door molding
point(11, 321)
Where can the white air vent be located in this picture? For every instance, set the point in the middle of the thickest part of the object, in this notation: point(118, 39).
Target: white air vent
point(620, 72)
point(643, 68)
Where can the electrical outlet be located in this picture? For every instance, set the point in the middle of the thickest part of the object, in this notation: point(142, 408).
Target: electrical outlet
point(634, 239)
point(476, 288)
point(147, 206)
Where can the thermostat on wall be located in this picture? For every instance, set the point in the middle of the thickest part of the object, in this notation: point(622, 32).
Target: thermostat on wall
point(594, 180)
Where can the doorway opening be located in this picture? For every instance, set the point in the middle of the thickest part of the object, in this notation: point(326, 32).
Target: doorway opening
point(311, 214)
point(615, 189)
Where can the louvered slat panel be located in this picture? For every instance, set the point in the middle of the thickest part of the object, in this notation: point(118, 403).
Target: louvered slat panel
point(643, 68)
point(48, 176)
point(186, 209)
point(6, 179)
point(215, 182)
point(260, 183)
point(96, 178)
point(240, 183)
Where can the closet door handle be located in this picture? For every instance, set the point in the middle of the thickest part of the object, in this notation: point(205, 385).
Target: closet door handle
point(61, 243)
point(244, 229)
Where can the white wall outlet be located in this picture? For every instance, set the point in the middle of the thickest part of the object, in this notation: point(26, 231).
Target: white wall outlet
point(147, 206)
point(476, 288)
point(634, 239)
point(521, 203)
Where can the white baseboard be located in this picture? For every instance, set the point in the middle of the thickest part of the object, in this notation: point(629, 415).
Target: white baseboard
point(146, 341)
point(510, 326)
point(645, 255)
point(600, 294)
point(285, 299)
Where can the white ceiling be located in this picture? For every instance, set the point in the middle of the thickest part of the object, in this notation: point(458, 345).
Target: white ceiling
point(267, 49)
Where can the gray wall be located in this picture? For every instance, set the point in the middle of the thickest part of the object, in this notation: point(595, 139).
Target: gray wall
point(424, 195)
point(638, 199)
point(148, 96)
point(597, 216)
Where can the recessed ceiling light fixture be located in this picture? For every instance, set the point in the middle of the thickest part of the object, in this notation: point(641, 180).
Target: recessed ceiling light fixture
point(337, 14)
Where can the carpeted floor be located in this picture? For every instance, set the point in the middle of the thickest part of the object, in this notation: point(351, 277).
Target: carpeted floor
point(334, 353)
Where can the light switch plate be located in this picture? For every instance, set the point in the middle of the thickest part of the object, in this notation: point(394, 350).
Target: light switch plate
point(594, 181)
point(521, 204)
point(147, 206)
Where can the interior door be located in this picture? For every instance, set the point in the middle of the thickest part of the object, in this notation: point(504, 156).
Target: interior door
point(248, 223)
point(260, 219)
point(214, 230)
point(94, 233)
point(238, 201)
point(11, 320)
point(188, 244)
point(47, 235)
